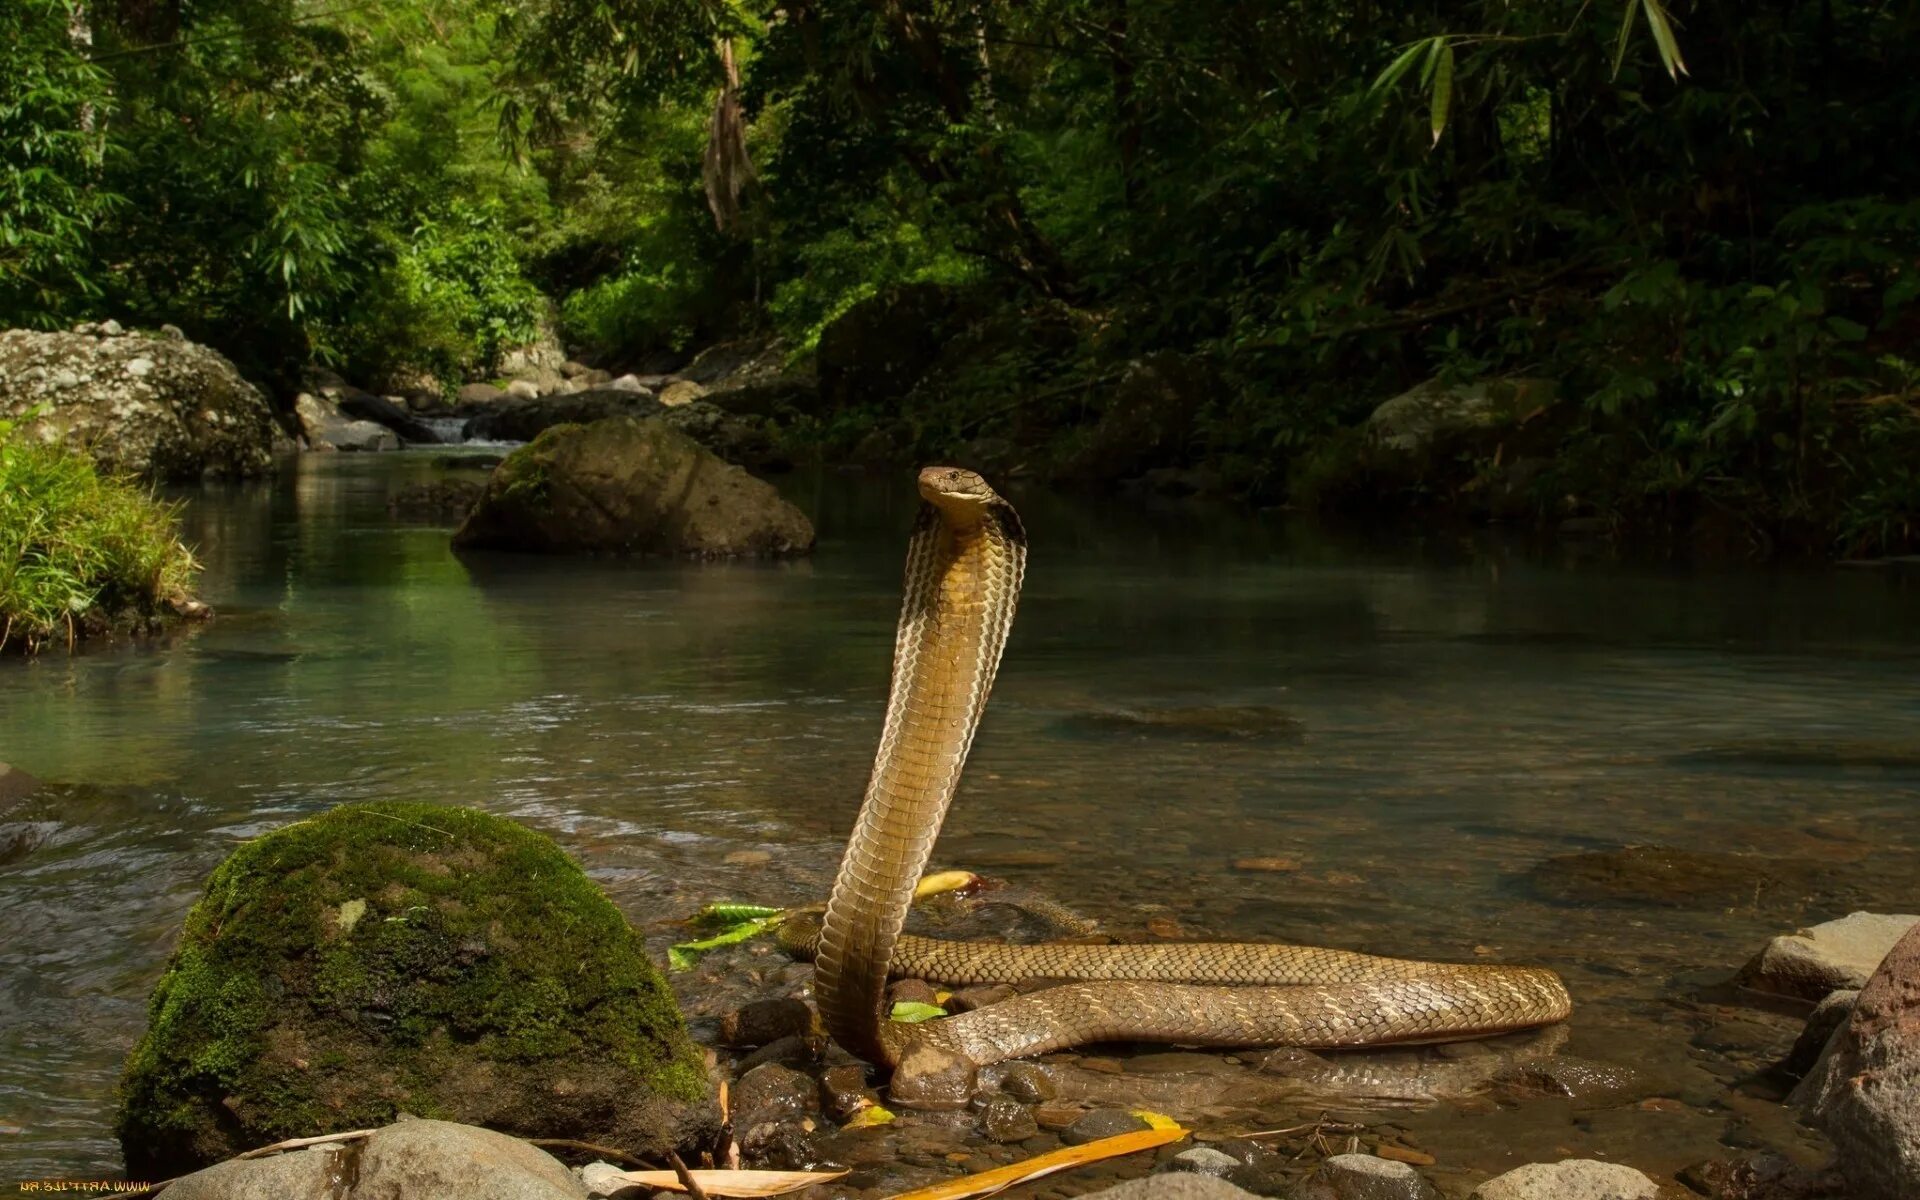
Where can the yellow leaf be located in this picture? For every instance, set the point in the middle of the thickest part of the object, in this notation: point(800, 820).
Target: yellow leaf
point(944, 881)
point(1156, 1120)
point(868, 1117)
point(985, 1183)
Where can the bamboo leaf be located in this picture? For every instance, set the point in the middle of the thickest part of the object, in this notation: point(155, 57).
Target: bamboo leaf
point(912, 1012)
point(1398, 67)
point(944, 881)
point(1626, 34)
point(1442, 93)
point(1434, 46)
point(1663, 38)
point(985, 1183)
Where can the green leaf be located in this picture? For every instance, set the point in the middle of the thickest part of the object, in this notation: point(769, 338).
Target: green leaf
point(1398, 67)
point(1845, 330)
point(1626, 35)
point(1663, 38)
point(732, 914)
point(683, 955)
point(1442, 92)
point(912, 1012)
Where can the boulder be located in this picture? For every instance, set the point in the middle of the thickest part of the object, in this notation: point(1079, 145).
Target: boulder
point(736, 439)
point(1571, 1179)
point(395, 957)
point(325, 427)
point(1827, 957)
point(365, 406)
point(1146, 420)
point(523, 389)
point(1827, 1017)
point(744, 360)
point(479, 393)
point(681, 391)
point(1865, 1091)
point(522, 419)
point(1422, 418)
point(631, 487)
point(408, 1160)
point(154, 406)
point(880, 348)
point(1364, 1177)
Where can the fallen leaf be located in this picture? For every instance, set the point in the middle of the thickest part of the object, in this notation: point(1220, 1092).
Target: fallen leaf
point(985, 1183)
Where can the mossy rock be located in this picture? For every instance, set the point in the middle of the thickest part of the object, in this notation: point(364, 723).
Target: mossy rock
point(387, 958)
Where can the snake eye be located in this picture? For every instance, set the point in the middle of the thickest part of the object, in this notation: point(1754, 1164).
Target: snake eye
point(950, 484)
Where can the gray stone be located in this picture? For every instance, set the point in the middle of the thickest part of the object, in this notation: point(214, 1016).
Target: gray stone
point(1182, 1185)
point(524, 389)
point(1101, 1123)
point(1415, 420)
point(573, 369)
point(408, 1160)
point(109, 328)
point(362, 436)
point(622, 486)
point(1827, 1017)
point(173, 333)
point(1572, 1179)
point(626, 383)
point(325, 427)
point(1202, 1160)
point(1865, 1091)
point(1827, 957)
point(1364, 1177)
point(162, 409)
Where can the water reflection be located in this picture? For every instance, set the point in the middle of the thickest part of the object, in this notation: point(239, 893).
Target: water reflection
point(1466, 712)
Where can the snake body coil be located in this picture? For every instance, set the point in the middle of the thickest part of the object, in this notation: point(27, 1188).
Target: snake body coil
point(965, 563)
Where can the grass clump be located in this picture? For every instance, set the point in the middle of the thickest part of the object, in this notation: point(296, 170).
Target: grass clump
point(81, 554)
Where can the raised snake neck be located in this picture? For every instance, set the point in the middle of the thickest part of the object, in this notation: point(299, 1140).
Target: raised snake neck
point(965, 563)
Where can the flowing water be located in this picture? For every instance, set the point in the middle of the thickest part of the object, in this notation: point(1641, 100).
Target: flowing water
point(1461, 715)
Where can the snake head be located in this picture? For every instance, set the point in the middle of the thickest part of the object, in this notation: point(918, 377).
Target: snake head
point(959, 493)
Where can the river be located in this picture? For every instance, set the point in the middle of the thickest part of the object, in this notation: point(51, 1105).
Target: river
point(1466, 712)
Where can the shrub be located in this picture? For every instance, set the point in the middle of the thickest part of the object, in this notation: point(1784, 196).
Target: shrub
point(80, 553)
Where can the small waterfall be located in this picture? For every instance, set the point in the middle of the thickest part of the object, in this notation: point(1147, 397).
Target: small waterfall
point(448, 431)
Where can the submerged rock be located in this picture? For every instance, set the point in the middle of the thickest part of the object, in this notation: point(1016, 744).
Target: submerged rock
point(1663, 875)
point(398, 957)
point(1828, 957)
point(154, 406)
point(1865, 1091)
point(630, 487)
point(409, 1160)
point(440, 500)
point(1364, 1177)
point(1572, 1179)
point(1220, 722)
point(15, 785)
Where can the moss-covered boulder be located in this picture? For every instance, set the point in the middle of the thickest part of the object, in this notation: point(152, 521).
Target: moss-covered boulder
point(622, 486)
point(389, 958)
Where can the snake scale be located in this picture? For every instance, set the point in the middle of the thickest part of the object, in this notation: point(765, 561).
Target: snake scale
point(965, 564)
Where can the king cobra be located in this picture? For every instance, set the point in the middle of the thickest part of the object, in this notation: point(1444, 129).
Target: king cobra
point(965, 563)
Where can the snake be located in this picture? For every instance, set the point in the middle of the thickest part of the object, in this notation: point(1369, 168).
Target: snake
point(966, 560)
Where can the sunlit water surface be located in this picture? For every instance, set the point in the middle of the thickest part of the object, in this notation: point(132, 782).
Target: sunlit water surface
point(1466, 713)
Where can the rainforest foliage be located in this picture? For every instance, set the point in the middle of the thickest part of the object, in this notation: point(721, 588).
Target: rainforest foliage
point(1697, 217)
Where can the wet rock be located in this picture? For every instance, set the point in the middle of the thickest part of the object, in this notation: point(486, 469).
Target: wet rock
point(1827, 957)
point(1059, 1117)
point(1028, 1083)
point(912, 991)
point(1364, 1177)
point(1663, 875)
point(1003, 1119)
point(778, 1146)
point(765, 1021)
point(1762, 1177)
point(523, 418)
point(928, 1077)
point(1573, 1179)
point(1201, 1160)
point(1224, 723)
point(440, 500)
point(737, 439)
point(410, 1159)
point(844, 1091)
point(1101, 1123)
point(771, 1092)
point(631, 487)
point(1183, 1185)
point(156, 407)
point(365, 406)
point(385, 951)
point(1419, 420)
point(1827, 1016)
point(969, 998)
point(15, 785)
point(1865, 1090)
point(681, 391)
point(798, 1051)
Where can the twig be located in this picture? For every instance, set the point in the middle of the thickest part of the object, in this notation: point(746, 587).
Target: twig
point(590, 1148)
point(686, 1177)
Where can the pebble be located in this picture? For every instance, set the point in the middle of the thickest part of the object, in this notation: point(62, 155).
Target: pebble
point(1101, 1123)
point(1202, 1160)
point(1003, 1119)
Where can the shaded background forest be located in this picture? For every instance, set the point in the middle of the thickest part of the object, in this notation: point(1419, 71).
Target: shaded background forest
point(1698, 220)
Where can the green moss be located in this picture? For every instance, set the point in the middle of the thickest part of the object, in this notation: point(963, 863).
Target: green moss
point(384, 957)
point(522, 475)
